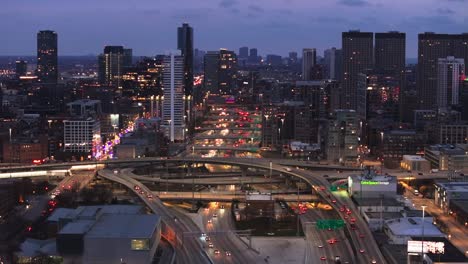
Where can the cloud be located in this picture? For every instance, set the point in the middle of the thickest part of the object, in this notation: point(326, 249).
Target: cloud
point(445, 11)
point(256, 8)
point(353, 3)
point(228, 3)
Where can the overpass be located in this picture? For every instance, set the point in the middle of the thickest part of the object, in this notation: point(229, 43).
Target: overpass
point(227, 197)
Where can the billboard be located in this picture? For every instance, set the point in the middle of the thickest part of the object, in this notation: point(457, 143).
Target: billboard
point(429, 247)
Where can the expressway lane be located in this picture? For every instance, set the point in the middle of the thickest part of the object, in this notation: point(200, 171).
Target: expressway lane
point(223, 239)
point(188, 252)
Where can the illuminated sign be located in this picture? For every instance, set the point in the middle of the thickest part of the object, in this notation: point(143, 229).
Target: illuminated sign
point(374, 183)
point(429, 247)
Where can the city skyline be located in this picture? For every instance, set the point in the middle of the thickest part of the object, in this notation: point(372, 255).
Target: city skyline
point(149, 27)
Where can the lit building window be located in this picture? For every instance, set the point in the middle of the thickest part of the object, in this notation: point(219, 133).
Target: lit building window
point(140, 244)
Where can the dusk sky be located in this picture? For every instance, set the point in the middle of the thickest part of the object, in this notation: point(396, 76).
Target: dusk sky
point(272, 26)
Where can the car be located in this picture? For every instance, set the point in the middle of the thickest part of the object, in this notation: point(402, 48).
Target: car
point(210, 221)
point(331, 241)
point(136, 187)
point(215, 215)
point(221, 207)
point(207, 239)
point(203, 235)
point(361, 235)
point(352, 219)
point(353, 226)
point(342, 209)
point(207, 209)
point(362, 250)
point(287, 169)
point(346, 217)
point(323, 258)
point(320, 246)
point(227, 253)
point(142, 192)
point(150, 196)
point(374, 261)
point(217, 252)
point(333, 201)
point(348, 212)
point(329, 229)
point(210, 245)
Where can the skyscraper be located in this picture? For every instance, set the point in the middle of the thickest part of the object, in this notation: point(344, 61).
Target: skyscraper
point(309, 59)
point(227, 71)
point(210, 67)
point(243, 52)
point(292, 57)
point(21, 68)
point(357, 57)
point(127, 60)
point(333, 64)
point(450, 77)
point(253, 56)
point(111, 66)
point(173, 105)
point(390, 52)
point(47, 69)
point(185, 45)
point(432, 47)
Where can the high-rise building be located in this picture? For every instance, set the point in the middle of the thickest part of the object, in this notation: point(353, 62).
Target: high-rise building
point(82, 135)
point(390, 52)
point(111, 66)
point(210, 66)
point(450, 77)
point(173, 106)
point(185, 45)
point(309, 60)
point(253, 56)
point(342, 141)
point(244, 52)
point(21, 68)
point(274, 60)
point(357, 57)
point(220, 71)
point(47, 58)
point(227, 71)
point(432, 47)
point(332, 60)
point(127, 60)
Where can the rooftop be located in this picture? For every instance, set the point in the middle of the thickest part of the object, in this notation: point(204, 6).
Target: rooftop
point(124, 226)
point(377, 202)
point(453, 186)
point(413, 158)
point(462, 204)
point(412, 226)
point(451, 253)
point(91, 212)
point(77, 227)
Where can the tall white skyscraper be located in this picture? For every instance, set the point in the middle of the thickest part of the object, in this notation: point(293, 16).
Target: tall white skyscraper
point(450, 72)
point(173, 105)
point(308, 62)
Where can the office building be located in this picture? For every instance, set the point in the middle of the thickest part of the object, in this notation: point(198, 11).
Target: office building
point(111, 66)
point(342, 141)
point(227, 71)
point(370, 185)
point(127, 60)
point(185, 45)
point(253, 56)
point(244, 52)
point(85, 108)
point(309, 60)
point(25, 149)
point(47, 58)
point(450, 77)
point(82, 135)
point(415, 163)
point(333, 64)
point(210, 65)
point(447, 157)
point(432, 47)
point(357, 57)
point(396, 143)
point(390, 52)
point(173, 105)
point(220, 71)
point(446, 192)
point(274, 60)
point(452, 133)
point(21, 68)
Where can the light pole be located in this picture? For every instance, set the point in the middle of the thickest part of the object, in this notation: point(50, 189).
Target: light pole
point(271, 180)
point(422, 238)
point(171, 137)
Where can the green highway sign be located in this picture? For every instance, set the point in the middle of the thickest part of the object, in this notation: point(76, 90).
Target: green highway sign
point(330, 224)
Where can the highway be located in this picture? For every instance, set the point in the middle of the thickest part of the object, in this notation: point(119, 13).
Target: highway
point(225, 196)
point(317, 240)
point(210, 181)
point(187, 252)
